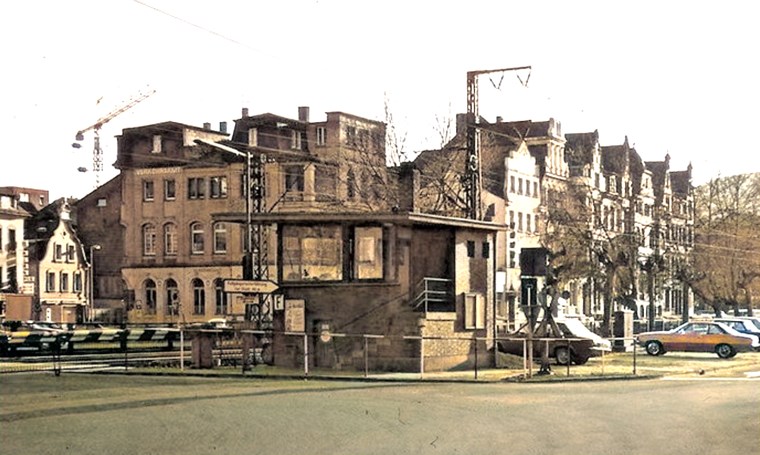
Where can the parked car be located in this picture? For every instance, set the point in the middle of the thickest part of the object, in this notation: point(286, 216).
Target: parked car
point(753, 319)
point(741, 325)
point(698, 337)
point(583, 343)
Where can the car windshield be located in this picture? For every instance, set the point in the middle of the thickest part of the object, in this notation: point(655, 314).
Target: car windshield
point(756, 322)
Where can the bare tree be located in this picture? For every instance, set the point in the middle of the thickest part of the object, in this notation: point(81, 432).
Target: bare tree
point(727, 242)
point(589, 243)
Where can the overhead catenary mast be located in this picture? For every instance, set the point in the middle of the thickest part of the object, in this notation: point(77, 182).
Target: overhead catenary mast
point(473, 172)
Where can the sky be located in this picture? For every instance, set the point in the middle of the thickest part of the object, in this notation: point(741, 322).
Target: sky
point(676, 77)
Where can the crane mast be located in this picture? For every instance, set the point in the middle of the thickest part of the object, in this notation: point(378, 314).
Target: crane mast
point(97, 152)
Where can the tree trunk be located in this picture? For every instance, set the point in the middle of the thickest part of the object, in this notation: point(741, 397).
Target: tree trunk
point(650, 292)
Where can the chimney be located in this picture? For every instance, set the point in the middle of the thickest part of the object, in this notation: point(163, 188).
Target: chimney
point(206, 126)
point(499, 119)
point(303, 114)
point(245, 112)
point(223, 127)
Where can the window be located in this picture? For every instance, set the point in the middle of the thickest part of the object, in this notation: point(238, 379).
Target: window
point(321, 135)
point(58, 253)
point(149, 240)
point(295, 140)
point(77, 282)
point(50, 282)
point(474, 312)
point(220, 238)
point(325, 182)
point(196, 188)
point(170, 239)
point(172, 297)
point(312, 253)
point(512, 220)
point(156, 144)
point(351, 185)
point(150, 296)
point(519, 222)
point(351, 135)
point(368, 253)
point(196, 238)
point(527, 222)
point(512, 188)
point(148, 190)
point(170, 190)
point(218, 188)
point(253, 137)
point(70, 254)
point(64, 282)
point(11, 240)
point(470, 249)
point(220, 306)
point(102, 202)
point(535, 189)
point(199, 297)
point(293, 178)
point(486, 252)
point(520, 186)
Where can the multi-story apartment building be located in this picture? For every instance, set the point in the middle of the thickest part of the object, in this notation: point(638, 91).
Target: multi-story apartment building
point(622, 200)
point(327, 223)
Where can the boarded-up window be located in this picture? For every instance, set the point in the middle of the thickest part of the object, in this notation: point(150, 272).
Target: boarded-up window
point(474, 312)
point(368, 253)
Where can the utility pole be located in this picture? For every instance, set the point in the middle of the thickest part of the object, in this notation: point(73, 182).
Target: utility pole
point(473, 173)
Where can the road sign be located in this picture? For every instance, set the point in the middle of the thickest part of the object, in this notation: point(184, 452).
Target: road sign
point(250, 286)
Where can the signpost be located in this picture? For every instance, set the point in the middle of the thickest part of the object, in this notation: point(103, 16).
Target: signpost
point(250, 286)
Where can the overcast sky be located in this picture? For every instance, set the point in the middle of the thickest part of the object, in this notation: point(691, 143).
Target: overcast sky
point(675, 77)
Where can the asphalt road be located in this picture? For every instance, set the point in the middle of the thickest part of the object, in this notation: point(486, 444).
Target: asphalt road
point(91, 414)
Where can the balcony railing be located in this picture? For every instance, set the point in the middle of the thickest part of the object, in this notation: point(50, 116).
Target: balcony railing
point(434, 295)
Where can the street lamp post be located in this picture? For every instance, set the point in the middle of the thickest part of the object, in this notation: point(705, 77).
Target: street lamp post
point(91, 283)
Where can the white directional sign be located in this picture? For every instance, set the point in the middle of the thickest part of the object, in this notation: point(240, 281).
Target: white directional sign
point(250, 286)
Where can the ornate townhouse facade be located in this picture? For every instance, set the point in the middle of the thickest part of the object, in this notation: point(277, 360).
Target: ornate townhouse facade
point(625, 199)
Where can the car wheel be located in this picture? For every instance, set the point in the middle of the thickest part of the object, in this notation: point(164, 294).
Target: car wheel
point(725, 351)
point(654, 348)
point(562, 356)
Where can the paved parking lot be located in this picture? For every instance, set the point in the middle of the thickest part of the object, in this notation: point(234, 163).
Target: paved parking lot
point(80, 413)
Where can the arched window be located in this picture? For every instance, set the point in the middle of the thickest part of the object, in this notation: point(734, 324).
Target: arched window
point(172, 297)
point(196, 238)
point(170, 239)
point(150, 296)
point(220, 306)
point(220, 238)
point(149, 240)
point(199, 297)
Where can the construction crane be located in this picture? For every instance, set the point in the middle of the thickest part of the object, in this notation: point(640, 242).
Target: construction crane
point(97, 152)
point(473, 172)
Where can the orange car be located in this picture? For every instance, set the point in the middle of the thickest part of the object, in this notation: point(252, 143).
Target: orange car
point(699, 337)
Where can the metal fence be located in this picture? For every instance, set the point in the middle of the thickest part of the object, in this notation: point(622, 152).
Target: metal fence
point(339, 355)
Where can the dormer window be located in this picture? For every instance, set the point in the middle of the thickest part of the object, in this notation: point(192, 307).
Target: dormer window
point(156, 144)
point(253, 137)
